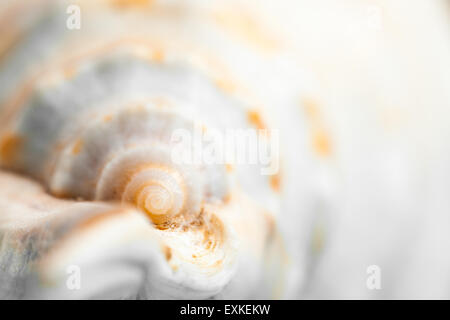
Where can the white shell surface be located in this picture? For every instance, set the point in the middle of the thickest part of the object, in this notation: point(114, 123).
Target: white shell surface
point(362, 112)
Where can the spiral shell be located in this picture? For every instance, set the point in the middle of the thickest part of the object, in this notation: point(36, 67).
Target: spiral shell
point(100, 119)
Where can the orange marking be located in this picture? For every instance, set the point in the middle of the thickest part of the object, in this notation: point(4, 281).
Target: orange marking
point(158, 55)
point(275, 182)
point(227, 198)
point(321, 143)
point(77, 146)
point(255, 118)
point(168, 253)
point(126, 4)
point(10, 145)
point(216, 264)
point(320, 139)
point(62, 194)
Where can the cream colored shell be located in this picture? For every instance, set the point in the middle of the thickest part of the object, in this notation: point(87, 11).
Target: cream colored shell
point(92, 116)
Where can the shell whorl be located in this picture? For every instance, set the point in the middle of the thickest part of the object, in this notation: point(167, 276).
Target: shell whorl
point(117, 148)
point(147, 178)
point(158, 192)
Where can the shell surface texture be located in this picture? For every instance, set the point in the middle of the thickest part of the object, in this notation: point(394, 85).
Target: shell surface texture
point(227, 149)
point(106, 123)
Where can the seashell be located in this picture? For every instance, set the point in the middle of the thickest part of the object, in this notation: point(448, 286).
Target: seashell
point(115, 123)
point(129, 146)
point(120, 254)
point(108, 114)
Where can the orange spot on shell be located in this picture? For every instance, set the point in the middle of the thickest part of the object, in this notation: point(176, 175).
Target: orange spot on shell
point(168, 253)
point(62, 194)
point(216, 264)
point(126, 4)
point(107, 118)
point(227, 198)
point(77, 146)
point(321, 143)
point(158, 55)
point(275, 182)
point(255, 118)
point(320, 139)
point(10, 145)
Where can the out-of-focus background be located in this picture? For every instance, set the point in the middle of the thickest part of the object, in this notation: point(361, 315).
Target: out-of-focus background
point(383, 92)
